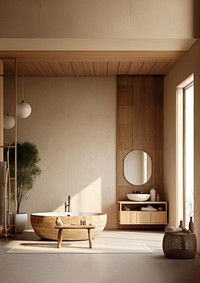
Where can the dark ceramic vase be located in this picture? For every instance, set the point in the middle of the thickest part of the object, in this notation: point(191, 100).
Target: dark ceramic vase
point(191, 225)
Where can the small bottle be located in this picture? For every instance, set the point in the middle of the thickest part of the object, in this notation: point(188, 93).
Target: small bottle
point(153, 194)
point(181, 224)
point(158, 197)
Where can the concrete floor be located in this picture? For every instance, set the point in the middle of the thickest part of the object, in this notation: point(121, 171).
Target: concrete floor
point(98, 268)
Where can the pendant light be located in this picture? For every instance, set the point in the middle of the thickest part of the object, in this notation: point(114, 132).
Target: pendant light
point(8, 121)
point(23, 108)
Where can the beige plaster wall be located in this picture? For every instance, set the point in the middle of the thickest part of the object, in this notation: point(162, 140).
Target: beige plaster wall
point(98, 25)
point(189, 64)
point(73, 123)
point(97, 19)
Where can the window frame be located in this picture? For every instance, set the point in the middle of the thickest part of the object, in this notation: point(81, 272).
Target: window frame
point(181, 150)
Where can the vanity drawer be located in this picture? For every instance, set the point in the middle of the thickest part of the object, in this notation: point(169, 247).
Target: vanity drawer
point(143, 217)
point(159, 217)
point(127, 217)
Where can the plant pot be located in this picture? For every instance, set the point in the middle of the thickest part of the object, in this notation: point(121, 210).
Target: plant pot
point(21, 221)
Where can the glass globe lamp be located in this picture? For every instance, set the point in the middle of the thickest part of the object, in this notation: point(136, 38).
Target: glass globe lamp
point(23, 109)
point(8, 122)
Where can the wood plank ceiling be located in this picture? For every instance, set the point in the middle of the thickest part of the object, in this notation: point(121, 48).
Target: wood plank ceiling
point(90, 64)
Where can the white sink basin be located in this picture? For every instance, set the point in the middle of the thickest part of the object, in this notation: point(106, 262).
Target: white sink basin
point(138, 197)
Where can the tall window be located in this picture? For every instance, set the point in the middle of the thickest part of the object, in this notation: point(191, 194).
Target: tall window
point(185, 150)
point(189, 151)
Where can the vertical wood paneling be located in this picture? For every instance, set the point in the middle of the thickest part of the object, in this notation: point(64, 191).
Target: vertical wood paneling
point(158, 133)
point(148, 113)
point(124, 131)
point(140, 126)
point(137, 111)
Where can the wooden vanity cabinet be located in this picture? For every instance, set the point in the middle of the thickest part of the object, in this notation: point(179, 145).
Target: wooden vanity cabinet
point(129, 213)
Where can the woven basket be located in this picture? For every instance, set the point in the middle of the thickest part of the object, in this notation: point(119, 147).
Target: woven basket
point(179, 245)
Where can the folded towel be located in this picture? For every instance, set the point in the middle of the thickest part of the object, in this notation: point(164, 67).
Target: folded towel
point(148, 208)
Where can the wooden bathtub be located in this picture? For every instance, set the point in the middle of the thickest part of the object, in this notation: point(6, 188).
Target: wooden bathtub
point(43, 224)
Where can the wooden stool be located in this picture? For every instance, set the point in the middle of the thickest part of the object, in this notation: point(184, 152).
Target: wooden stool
point(61, 227)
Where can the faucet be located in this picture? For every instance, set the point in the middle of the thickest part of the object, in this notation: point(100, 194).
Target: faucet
point(68, 204)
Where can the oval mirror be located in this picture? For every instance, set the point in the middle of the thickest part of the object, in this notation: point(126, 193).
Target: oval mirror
point(137, 167)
